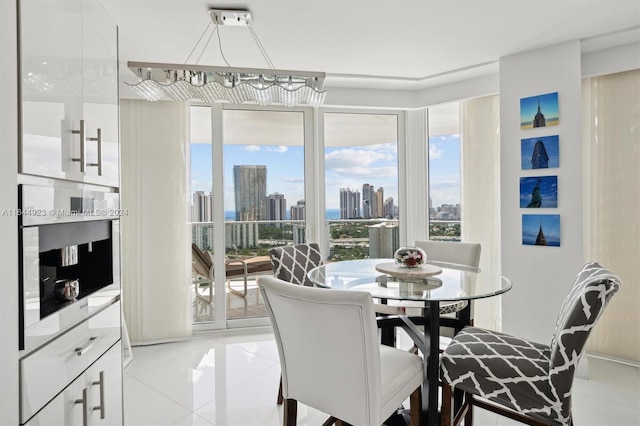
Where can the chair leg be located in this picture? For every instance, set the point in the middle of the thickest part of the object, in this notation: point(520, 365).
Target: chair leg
point(415, 409)
point(280, 398)
point(290, 412)
point(447, 409)
point(468, 419)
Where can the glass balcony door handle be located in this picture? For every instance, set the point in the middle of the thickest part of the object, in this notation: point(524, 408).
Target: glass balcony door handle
point(83, 148)
point(98, 139)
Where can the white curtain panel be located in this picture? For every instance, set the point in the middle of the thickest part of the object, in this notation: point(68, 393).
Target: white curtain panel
point(611, 145)
point(480, 153)
point(156, 262)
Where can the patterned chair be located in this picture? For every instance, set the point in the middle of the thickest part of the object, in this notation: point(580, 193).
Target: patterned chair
point(291, 263)
point(523, 380)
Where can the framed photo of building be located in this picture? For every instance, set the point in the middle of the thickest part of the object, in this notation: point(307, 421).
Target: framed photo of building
point(539, 192)
point(539, 111)
point(541, 230)
point(540, 153)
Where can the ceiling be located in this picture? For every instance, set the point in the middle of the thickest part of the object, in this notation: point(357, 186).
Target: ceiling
point(402, 44)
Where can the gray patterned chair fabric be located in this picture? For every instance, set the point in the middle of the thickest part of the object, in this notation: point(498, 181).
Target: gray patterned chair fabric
point(291, 263)
point(527, 377)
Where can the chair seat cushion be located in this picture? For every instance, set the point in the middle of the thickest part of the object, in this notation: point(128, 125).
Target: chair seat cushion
point(401, 374)
point(502, 368)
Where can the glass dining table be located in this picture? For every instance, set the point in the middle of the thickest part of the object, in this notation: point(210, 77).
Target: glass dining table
point(431, 286)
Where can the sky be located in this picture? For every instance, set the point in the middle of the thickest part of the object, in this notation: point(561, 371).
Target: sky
point(350, 166)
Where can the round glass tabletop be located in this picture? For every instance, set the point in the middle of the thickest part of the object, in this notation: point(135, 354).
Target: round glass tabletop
point(454, 283)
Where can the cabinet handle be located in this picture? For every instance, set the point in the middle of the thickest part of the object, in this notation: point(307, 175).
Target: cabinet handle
point(100, 407)
point(83, 147)
point(85, 407)
point(80, 350)
point(98, 139)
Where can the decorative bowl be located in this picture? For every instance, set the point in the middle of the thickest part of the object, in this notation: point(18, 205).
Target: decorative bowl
point(410, 257)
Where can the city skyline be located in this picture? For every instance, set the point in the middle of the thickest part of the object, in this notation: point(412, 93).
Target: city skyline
point(377, 166)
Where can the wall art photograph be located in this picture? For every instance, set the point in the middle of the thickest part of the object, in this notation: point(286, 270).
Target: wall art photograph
point(539, 111)
point(541, 230)
point(539, 192)
point(540, 153)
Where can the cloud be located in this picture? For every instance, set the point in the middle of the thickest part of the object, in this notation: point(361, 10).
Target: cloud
point(280, 149)
point(434, 151)
point(367, 172)
point(252, 148)
point(349, 157)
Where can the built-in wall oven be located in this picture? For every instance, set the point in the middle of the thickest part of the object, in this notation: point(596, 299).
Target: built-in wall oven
point(70, 258)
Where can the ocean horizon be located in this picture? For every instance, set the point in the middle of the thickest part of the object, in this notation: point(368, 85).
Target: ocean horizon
point(330, 214)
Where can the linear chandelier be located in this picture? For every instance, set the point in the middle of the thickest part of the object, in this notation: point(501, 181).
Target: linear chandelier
point(211, 84)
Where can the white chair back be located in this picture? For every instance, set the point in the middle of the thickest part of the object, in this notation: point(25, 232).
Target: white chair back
point(467, 254)
point(328, 346)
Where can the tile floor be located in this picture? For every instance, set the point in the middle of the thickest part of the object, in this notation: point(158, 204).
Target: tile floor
point(231, 378)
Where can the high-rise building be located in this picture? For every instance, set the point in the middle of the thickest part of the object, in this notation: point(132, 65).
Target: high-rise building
point(389, 210)
point(349, 204)
point(384, 240)
point(298, 212)
point(369, 204)
point(202, 235)
point(379, 212)
point(277, 207)
point(250, 186)
point(202, 208)
point(299, 235)
point(241, 235)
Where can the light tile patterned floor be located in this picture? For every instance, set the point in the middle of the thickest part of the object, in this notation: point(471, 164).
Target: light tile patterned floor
point(231, 379)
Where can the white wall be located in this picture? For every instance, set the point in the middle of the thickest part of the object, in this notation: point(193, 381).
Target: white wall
point(9, 223)
point(542, 276)
point(156, 266)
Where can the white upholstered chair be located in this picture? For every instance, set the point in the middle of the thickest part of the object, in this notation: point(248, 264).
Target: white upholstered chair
point(331, 359)
point(466, 254)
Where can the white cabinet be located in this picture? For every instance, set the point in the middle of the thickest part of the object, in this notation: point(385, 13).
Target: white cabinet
point(69, 75)
point(76, 379)
point(94, 398)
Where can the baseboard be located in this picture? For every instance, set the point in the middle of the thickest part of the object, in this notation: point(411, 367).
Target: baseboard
point(616, 360)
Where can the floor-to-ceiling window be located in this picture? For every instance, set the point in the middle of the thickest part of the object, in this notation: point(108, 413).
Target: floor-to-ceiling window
point(444, 172)
point(264, 200)
point(361, 184)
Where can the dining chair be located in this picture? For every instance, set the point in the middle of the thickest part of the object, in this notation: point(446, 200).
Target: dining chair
point(466, 254)
point(523, 380)
point(292, 263)
point(331, 359)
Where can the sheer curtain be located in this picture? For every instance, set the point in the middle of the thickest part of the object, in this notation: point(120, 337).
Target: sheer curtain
point(611, 146)
point(480, 152)
point(156, 267)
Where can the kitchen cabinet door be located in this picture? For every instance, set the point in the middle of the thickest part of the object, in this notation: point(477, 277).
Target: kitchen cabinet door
point(69, 75)
point(94, 398)
point(51, 89)
point(100, 95)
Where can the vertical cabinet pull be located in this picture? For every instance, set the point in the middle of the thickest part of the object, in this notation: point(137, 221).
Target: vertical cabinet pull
point(98, 139)
point(100, 407)
point(85, 406)
point(83, 147)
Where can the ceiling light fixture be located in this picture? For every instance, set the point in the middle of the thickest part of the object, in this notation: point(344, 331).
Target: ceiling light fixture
point(212, 84)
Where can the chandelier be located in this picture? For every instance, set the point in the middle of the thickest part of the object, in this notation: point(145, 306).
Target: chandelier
point(210, 84)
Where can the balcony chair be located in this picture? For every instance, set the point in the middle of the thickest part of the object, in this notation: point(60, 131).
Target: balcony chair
point(330, 357)
point(523, 380)
point(234, 268)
